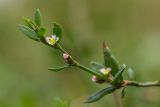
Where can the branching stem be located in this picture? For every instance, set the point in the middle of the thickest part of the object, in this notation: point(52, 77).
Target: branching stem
point(140, 84)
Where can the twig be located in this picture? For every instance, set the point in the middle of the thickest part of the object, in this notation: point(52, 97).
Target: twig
point(117, 100)
point(140, 84)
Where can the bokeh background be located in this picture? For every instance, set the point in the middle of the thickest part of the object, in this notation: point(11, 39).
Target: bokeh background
point(131, 28)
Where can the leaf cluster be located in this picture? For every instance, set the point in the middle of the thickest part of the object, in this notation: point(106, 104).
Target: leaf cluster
point(34, 29)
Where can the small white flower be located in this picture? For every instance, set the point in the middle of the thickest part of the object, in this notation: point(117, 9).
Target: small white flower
point(105, 71)
point(52, 40)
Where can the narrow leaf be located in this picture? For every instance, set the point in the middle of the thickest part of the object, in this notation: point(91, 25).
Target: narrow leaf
point(101, 93)
point(111, 61)
point(37, 16)
point(119, 73)
point(29, 32)
point(57, 31)
point(58, 68)
point(123, 93)
point(96, 66)
point(28, 23)
point(130, 73)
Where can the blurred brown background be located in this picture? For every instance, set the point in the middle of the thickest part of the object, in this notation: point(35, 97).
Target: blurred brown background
point(130, 27)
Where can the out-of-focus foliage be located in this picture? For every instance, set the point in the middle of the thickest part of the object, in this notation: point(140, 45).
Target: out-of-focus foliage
point(130, 28)
point(62, 103)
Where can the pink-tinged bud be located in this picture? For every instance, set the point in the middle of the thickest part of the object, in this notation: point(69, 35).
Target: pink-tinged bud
point(97, 80)
point(94, 78)
point(66, 56)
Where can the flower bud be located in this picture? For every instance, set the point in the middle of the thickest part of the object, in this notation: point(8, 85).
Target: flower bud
point(68, 58)
point(65, 56)
point(97, 79)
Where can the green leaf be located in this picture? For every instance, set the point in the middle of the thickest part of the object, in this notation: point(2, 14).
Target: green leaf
point(111, 61)
point(130, 73)
point(58, 68)
point(62, 103)
point(96, 66)
point(57, 31)
point(29, 32)
point(119, 73)
point(37, 16)
point(42, 31)
point(29, 23)
point(123, 93)
point(101, 93)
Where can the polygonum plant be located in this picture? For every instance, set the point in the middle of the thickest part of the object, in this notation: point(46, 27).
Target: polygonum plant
point(111, 72)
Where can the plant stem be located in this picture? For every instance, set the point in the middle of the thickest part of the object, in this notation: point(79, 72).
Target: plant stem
point(140, 84)
point(117, 100)
point(75, 63)
point(90, 71)
point(61, 49)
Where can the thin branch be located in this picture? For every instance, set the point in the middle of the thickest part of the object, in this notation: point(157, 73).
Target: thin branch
point(140, 84)
point(91, 71)
point(118, 101)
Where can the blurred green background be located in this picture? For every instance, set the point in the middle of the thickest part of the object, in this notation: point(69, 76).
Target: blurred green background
point(130, 27)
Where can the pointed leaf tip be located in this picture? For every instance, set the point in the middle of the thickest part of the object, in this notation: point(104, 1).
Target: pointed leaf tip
point(29, 32)
point(38, 17)
point(111, 61)
point(56, 69)
point(105, 45)
point(123, 93)
point(101, 93)
point(57, 31)
point(28, 22)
